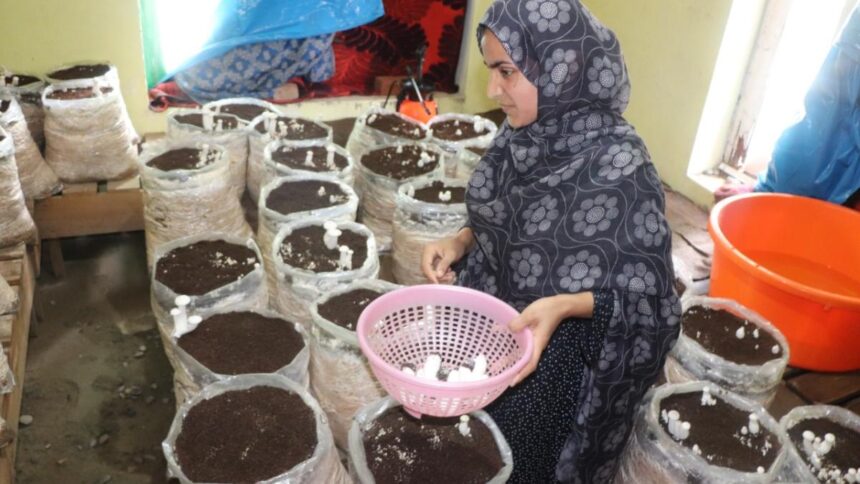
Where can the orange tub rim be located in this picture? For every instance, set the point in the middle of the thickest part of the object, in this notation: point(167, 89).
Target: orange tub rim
point(776, 280)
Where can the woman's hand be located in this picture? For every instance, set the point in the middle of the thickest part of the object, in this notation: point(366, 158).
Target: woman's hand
point(543, 317)
point(438, 256)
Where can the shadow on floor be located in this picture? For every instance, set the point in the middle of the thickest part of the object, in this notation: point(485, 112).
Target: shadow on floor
point(97, 384)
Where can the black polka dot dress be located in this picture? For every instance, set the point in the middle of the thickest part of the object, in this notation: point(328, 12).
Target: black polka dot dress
point(537, 415)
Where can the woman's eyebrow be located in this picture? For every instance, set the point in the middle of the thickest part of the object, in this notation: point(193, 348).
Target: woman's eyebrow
point(496, 64)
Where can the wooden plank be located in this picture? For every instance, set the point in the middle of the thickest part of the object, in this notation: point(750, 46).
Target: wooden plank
point(90, 214)
point(682, 211)
point(784, 400)
point(55, 255)
point(10, 404)
point(132, 183)
point(696, 263)
point(14, 252)
point(830, 388)
point(341, 129)
point(11, 271)
point(791, 372)
point(37, 255)
point(854, 406)
point(90, 187)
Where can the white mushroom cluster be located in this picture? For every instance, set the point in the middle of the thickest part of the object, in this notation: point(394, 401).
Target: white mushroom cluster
point(432, 366)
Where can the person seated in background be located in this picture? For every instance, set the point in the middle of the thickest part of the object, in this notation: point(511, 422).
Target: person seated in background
point(265, 70)
point(268, 48)
point(819, 157)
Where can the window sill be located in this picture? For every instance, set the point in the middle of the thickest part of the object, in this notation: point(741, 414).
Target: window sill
point(709, 182)
point(716, 177)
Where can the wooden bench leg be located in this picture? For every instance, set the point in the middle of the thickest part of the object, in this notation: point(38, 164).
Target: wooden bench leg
point(55, 253)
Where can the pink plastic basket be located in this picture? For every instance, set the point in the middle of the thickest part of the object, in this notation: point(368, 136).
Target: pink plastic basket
point(405, 326)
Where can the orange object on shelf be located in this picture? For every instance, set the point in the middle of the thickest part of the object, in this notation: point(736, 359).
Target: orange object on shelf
point(796, 261)
point(415, 109)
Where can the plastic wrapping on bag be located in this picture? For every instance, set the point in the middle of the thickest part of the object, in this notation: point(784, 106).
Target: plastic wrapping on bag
point(89, 139)
point(108, 77)
point(7, 377)
point(364, 138)
point(270, 221)
point(16, 224)
point(417, 223)
point(8, 297)
point(27, 89)
point(460, 162)
point(248, 293)
point(465, 164)
point(8, 303)
point(367, 415)
point(217, 106)
point(795, 468)
point(234, 141)
point(37, 178)
point(273, 169)
point(689, 361)
point(341, 377)
point(198, 375)
point(183, 203)
point(298, 287)
point(257, 142)
point(684, 276)
point(378, 194)
point(653, 456)
point(322, 467)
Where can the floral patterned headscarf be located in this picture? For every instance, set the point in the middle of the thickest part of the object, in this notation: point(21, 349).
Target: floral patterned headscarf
point(572, 203)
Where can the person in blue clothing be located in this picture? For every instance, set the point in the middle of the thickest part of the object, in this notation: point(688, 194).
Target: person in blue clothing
point(261, 70)
point(819, 157)
point(259, 46)
point(566, 224)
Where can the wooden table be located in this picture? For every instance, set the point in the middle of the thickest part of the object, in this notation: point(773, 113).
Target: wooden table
point(88, 209)
point(17, 267)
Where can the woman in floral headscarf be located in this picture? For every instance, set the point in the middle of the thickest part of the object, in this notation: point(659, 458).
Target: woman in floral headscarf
point(566, 223)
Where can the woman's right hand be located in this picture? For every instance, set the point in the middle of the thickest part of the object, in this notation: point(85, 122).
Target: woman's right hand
point(438, 256)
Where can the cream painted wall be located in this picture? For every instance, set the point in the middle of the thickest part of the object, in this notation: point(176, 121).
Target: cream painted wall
point(474, 85)
point(670, 45)
point(671, 48)
point(38, 35)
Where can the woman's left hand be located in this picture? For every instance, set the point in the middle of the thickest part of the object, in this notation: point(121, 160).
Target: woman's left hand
point(543, 317)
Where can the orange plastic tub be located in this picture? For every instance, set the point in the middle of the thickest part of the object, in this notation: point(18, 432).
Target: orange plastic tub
point(796, 261)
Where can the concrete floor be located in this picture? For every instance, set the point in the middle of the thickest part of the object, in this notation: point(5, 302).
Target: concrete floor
point(100, 405)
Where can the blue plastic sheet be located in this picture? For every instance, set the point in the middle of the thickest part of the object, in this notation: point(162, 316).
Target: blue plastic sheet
point(241, 22)
point(819, 157)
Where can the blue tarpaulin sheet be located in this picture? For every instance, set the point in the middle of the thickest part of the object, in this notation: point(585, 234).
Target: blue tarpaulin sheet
point(819, 156)
point(241, 22)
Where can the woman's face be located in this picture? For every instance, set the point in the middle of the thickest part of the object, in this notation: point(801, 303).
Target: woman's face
point(517, 97)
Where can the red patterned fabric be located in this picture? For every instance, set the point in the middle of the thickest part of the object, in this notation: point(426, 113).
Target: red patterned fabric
point(386, 46)
point(383, 47)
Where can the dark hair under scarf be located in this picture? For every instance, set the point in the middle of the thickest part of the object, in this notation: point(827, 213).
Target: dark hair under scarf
point(572, 203)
